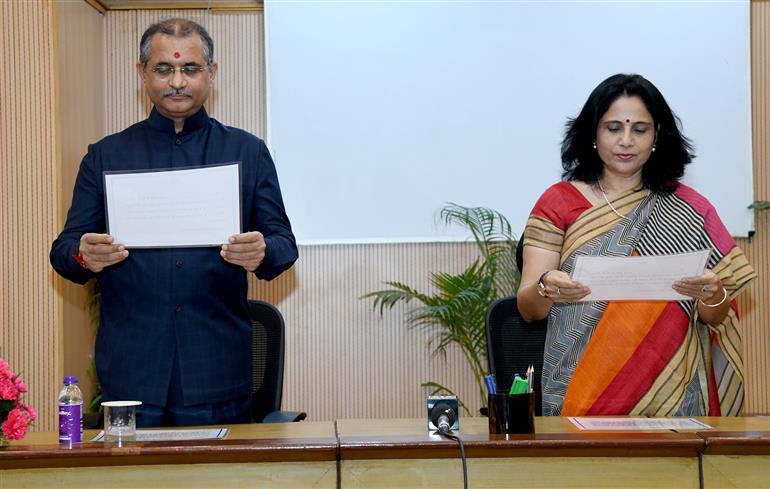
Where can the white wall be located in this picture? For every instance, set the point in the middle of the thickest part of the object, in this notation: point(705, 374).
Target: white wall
point(380, 112)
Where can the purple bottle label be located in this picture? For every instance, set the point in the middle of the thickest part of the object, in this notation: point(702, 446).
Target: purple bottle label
point(70, 423)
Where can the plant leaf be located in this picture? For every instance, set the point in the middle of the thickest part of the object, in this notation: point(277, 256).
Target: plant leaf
point(455, 314)
point(760, 205)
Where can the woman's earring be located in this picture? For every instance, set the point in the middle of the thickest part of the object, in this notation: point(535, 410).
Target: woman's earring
point(595, 145)
point(653, 148)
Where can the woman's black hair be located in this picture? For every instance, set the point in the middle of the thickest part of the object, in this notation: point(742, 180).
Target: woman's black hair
point(672, 150)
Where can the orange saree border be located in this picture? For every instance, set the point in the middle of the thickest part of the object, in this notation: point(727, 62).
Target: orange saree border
point(652, 359)
point(617, 336)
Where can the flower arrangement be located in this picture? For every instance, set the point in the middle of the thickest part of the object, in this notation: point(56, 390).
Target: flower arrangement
point(15, 416)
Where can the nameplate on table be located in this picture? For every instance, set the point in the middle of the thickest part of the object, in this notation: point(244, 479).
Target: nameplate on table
point(175, 435)
point(637, 424)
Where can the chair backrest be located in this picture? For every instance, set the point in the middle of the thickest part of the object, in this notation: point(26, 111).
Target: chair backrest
point(513, 344)
point(267, 358)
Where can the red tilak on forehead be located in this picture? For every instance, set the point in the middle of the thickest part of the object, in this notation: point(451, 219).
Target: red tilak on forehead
point(176, 54)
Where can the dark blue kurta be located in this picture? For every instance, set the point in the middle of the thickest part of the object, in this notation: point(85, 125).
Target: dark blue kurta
point(183, 301)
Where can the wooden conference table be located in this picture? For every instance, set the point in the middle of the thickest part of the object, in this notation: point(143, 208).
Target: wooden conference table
point(401, 453)
point(254, 455)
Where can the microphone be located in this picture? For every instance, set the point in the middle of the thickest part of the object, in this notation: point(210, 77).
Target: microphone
point(444, 417)
point(443, 414)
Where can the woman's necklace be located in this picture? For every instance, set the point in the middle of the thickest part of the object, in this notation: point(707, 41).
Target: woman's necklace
point(608, 200)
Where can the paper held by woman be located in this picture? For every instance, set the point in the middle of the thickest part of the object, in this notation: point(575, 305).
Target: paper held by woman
point(637, 277)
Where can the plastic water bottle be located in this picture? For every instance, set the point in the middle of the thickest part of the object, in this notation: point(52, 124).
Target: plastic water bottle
point(70, 411)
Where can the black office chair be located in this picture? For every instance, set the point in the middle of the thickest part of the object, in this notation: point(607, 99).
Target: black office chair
point(267, 359)
point(513, 344)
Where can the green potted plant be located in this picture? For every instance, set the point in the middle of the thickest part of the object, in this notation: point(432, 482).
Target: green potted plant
point(456, 312)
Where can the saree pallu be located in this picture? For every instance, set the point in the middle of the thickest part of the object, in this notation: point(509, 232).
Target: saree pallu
point(641, 357)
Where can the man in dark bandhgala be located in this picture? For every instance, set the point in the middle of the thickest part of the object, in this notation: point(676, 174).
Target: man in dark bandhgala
point(175, 331)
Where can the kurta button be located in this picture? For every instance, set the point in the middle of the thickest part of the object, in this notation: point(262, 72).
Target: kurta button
point(178, 141)
point(179, 263)
point(178, 308)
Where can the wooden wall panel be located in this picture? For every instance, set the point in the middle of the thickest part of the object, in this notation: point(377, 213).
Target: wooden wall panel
point(755, 311)
point(30, 316)
point(343, 359)
point(239, 94)
point(755, 303)
point(81, 122)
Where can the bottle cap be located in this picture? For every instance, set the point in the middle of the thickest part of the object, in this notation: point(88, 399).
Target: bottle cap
point(70, 379)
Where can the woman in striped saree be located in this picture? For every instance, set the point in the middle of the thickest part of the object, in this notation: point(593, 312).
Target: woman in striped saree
point(623, 156)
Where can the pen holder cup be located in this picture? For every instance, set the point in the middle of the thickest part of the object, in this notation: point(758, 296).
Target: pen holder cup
point(511, 413)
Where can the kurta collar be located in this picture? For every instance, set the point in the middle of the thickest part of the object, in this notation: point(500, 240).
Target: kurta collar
point(161, 123)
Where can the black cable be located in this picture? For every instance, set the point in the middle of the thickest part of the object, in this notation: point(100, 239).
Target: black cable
point(700, 471)
point(338, 456)
point(462, 455)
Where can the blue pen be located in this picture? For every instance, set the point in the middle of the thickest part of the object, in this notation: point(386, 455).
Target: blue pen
point(490, 380)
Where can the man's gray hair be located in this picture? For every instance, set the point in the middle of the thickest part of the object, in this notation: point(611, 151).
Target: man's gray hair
point(176, 27)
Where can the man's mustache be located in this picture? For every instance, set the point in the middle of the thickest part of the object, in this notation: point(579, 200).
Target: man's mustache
point(176, 91)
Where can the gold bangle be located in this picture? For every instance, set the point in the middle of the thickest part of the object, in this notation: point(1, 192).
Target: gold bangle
point(724, 298)
point(541, 286)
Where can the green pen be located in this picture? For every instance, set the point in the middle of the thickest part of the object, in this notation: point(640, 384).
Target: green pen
point(519, 386)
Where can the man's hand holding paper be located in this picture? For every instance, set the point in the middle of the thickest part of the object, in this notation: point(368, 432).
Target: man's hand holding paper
point(98, 251)
point(172, 208)
point(245, 249)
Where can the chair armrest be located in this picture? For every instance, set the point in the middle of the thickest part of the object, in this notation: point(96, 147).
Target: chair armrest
point(284, 417)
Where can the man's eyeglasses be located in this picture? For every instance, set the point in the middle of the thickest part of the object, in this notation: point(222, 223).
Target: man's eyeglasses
point(187, 71)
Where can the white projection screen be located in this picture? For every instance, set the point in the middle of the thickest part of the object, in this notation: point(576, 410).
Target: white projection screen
point(380, 112)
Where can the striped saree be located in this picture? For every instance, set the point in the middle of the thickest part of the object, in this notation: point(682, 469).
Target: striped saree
point(639, 357)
